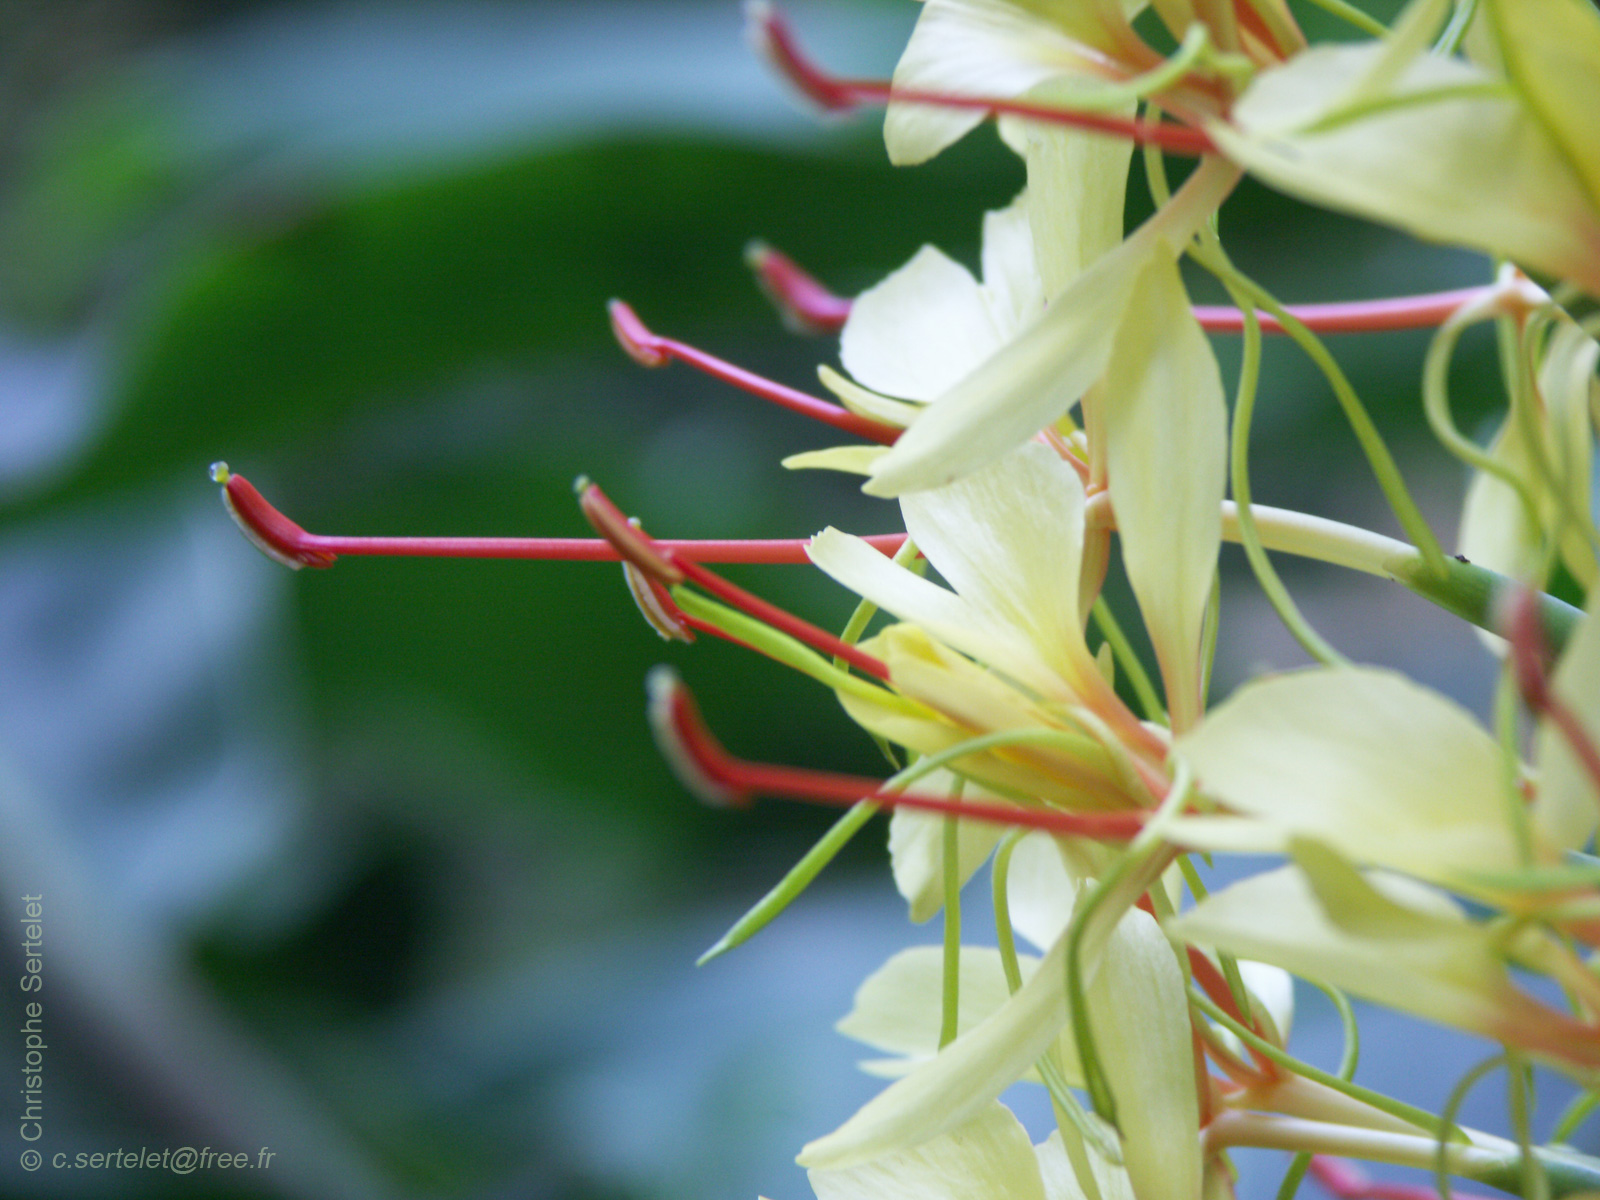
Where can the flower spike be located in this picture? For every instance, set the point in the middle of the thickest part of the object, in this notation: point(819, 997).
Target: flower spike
point(707, 769)
point(775, 41)
point(650, 349)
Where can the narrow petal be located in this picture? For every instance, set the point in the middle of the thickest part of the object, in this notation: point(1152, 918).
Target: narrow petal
point(988, 1156)
point(1139, 1012)
point(853, 460)
point(1077, 185)
point(1061, 1177)
point(1383, 770)
point(866, 403)
point(897, 1010)
point(1165, 427)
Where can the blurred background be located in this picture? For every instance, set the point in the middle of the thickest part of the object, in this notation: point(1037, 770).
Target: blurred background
point(377, 868)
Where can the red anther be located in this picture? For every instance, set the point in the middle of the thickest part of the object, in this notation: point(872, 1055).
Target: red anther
point(709, 770)
point(771, 35)
point(653, 350)
point(268, 529)
point(1213, 984)
point(631, 541)
point(1349, 1182)
point(296, 548)
point(803, 303)
point(671, 568)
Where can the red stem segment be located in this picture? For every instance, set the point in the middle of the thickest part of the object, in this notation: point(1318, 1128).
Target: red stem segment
point(1349, 1182)
point(833, 94)
point(808, 305)
point(651, 350)
point(708, 769)
point(280, 537)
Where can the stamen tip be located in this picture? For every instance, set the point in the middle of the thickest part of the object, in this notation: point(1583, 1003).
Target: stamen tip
point(769, 35)
point(220, 473)
point(670, 710)
point(634, 336)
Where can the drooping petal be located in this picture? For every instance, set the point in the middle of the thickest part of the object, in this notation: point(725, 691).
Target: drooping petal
point(865, 403)
point(1387, 939)
point(1568, 803)
point(897, 1010)
point(921, 331)
point(853, 460)
point(1165, 428)
point(1385, 771)
point(988, 1156)
point(961, 1082)
point(1139, 1013)
point(1448, 153)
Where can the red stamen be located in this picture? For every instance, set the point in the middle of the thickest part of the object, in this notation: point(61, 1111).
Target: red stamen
point(1213, 984)
point(816, 309)
point(651, 350)
point(1349, 1182)
point(774, 39)
point(671, 567)
point(1530, 657)
point(805, 305)
point(280, 538)
point(710, 770)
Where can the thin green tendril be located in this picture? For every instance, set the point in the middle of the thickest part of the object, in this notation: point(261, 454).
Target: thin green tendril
point(1447, 1119)
point(1005, 937)
point(1128, 661)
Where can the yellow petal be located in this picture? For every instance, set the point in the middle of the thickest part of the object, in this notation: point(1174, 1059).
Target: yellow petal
point(853, 460)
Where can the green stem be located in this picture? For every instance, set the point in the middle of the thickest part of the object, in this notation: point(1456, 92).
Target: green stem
point(1005, 937)
point(1348, 12)
point(1128, 661)
point(950, 1006)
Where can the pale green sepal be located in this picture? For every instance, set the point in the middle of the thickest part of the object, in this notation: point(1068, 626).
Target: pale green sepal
point(1551, 51)
point(853, 460)
point(1165, 428)
point(1470, 165)
point(1566, 806)
point(989, 1156)
point(1139, 1014)
point(1385, 771)
point(916, 849)
point(965, 1077)
point(866, 403)
point(897, 1009)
